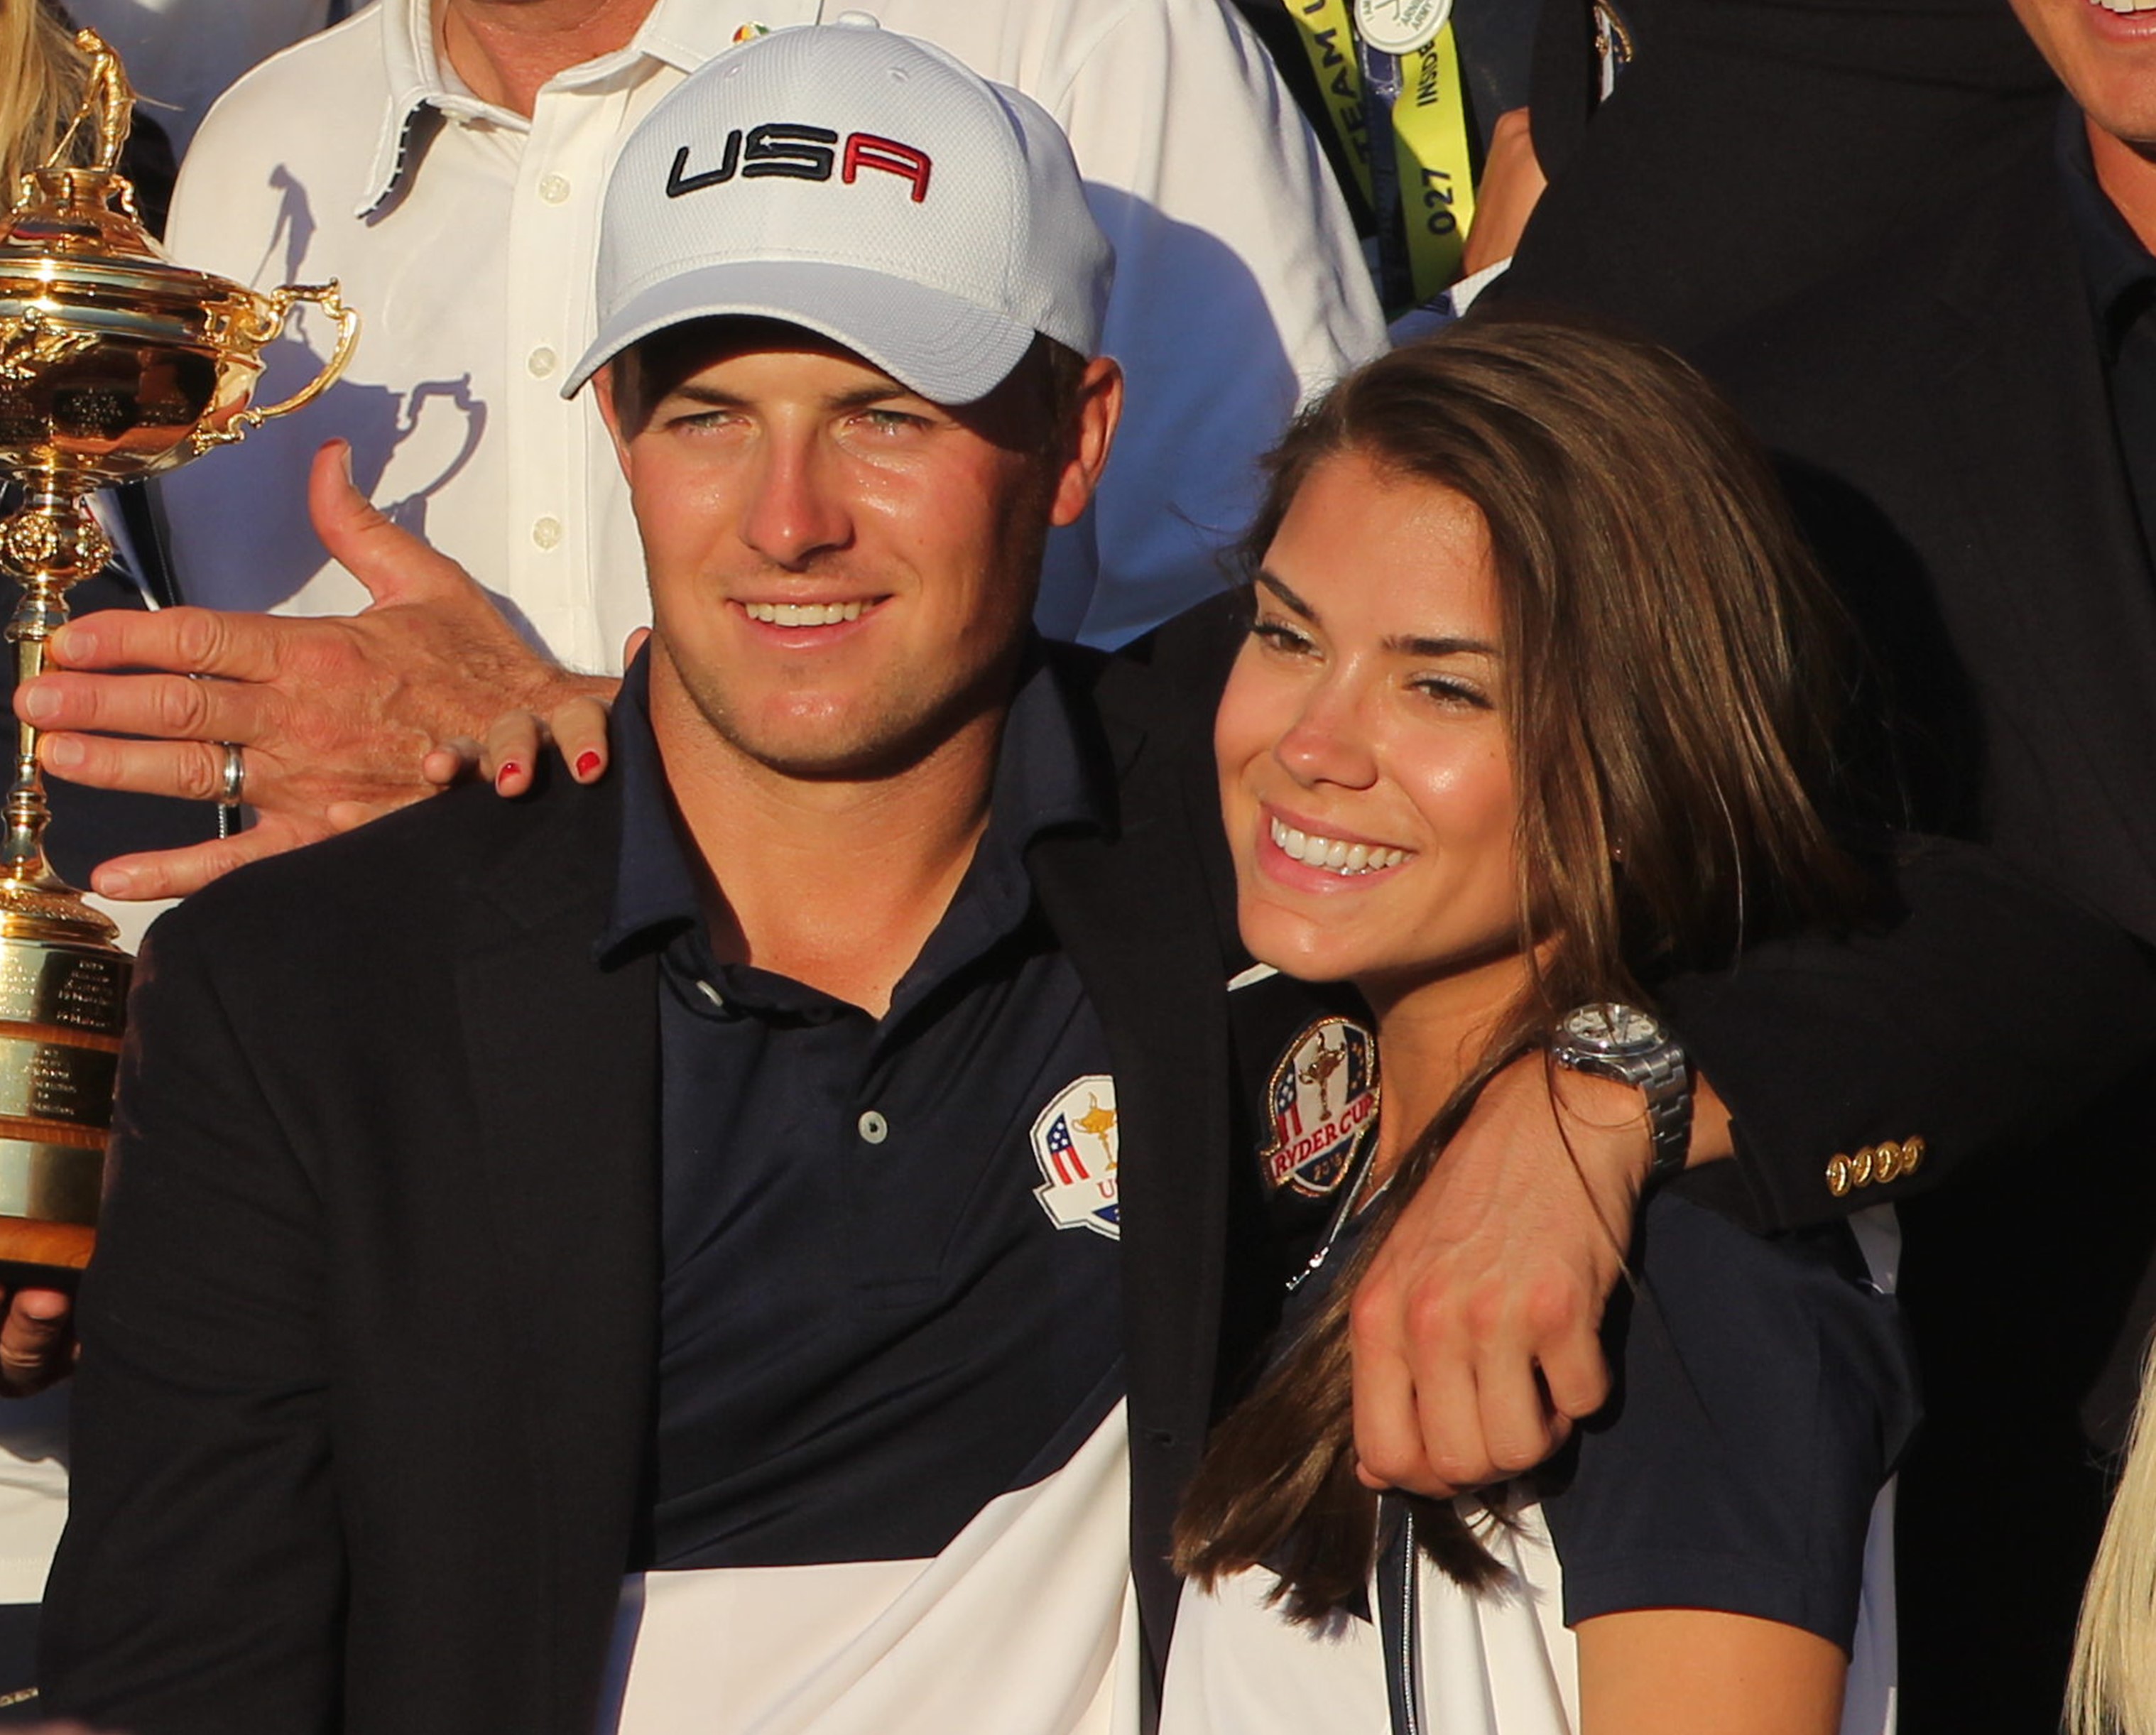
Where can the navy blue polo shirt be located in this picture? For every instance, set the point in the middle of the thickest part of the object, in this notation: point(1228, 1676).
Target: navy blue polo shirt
point(889, 1255)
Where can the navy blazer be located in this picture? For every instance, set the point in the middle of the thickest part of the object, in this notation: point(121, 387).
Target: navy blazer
point(1944, 423)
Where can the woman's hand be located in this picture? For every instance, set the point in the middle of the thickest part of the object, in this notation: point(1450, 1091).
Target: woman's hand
point(329, 713)
point(508, 757)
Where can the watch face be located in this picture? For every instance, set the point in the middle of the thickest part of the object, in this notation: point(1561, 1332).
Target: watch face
point(1610, 1029)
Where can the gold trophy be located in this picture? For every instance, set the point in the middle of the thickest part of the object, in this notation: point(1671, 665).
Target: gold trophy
point(113, 363)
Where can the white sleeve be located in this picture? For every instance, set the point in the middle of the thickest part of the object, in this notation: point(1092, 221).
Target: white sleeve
point(1240, 290)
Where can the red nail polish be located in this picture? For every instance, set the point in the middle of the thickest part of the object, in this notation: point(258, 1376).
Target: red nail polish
point(508, 771)
point(587, 763)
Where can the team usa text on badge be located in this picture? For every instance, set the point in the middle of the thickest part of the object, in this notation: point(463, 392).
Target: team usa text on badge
point(801, 152)
point(1074, 1141)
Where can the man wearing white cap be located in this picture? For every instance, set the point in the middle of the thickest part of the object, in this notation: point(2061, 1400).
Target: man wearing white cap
point(443, 159)
point(655, 1257)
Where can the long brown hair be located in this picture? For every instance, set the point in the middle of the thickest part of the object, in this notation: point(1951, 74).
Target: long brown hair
point(1670, 688)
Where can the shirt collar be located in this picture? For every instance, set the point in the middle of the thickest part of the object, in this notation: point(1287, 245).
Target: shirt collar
point(2117, 270)
point(1046, 779)
point(679, 34)
point(654, 893)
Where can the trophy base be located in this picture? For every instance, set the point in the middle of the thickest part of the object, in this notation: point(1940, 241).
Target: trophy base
point(34, 1248)
point(62, 1002)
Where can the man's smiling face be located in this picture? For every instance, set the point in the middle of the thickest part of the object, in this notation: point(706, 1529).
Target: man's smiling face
point(841, 571)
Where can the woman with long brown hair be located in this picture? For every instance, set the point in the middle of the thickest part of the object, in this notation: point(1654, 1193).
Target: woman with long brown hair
point(1537, 699)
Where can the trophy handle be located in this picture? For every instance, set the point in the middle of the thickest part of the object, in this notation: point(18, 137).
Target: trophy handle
point(282, 301)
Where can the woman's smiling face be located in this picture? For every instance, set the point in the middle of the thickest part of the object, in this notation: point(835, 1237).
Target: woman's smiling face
point(1366, 773)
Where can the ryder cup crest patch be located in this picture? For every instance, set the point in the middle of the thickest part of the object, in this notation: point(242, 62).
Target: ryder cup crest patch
point(1324, 1092)
point(1074, 1141)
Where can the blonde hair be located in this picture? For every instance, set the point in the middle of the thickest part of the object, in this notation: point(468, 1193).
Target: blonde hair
point(41, 86)
point(2113, 1688)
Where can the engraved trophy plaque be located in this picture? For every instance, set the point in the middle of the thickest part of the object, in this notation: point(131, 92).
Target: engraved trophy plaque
point(113, 363)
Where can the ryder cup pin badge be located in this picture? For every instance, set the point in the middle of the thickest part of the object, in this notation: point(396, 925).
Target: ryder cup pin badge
point(1400, 27)
point(1324, 1092)
point(1074, 1141)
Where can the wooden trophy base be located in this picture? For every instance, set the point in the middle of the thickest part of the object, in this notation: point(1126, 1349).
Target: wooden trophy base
point(41, 1253)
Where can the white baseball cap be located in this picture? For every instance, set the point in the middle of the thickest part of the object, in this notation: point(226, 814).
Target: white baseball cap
point(865, 186)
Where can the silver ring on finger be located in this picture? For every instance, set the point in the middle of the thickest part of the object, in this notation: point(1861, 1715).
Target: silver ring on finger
point(232, 790)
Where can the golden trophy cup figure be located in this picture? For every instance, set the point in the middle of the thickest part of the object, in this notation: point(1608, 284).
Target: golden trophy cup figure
point(114, 363)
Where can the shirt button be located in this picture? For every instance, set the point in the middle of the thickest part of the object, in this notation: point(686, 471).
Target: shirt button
point(553, 188)
point(547, 532)
point(540, 362)
point(712, 994)
point(874, 1129)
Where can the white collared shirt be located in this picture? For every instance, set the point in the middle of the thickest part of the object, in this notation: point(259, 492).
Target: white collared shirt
point(466, 235)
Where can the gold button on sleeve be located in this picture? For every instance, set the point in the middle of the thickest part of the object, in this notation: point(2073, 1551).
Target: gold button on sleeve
point(1886, 1164)
point(1912, 1155)
point(1837, 1176)
point(1860, 1166)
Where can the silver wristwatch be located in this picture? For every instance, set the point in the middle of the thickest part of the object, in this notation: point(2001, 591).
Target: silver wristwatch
point(1606, 1039)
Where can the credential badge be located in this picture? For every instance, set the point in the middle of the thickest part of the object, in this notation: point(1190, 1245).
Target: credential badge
point(1401, 27)
point(1074, 1141)
point(1324, 1090)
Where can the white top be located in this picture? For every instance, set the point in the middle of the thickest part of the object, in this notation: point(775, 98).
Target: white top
point(1025, 1625)
point(1499, 1661)
point(1495, 1662)
point(466, 236)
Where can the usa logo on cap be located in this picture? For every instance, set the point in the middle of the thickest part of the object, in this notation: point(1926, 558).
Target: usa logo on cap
point(1324, 1090)
point(801, 152)
point(864, 185)
point(1074, 1141)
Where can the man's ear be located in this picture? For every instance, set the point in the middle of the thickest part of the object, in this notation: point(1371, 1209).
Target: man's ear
point(617, 394)
point(1100, 408)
